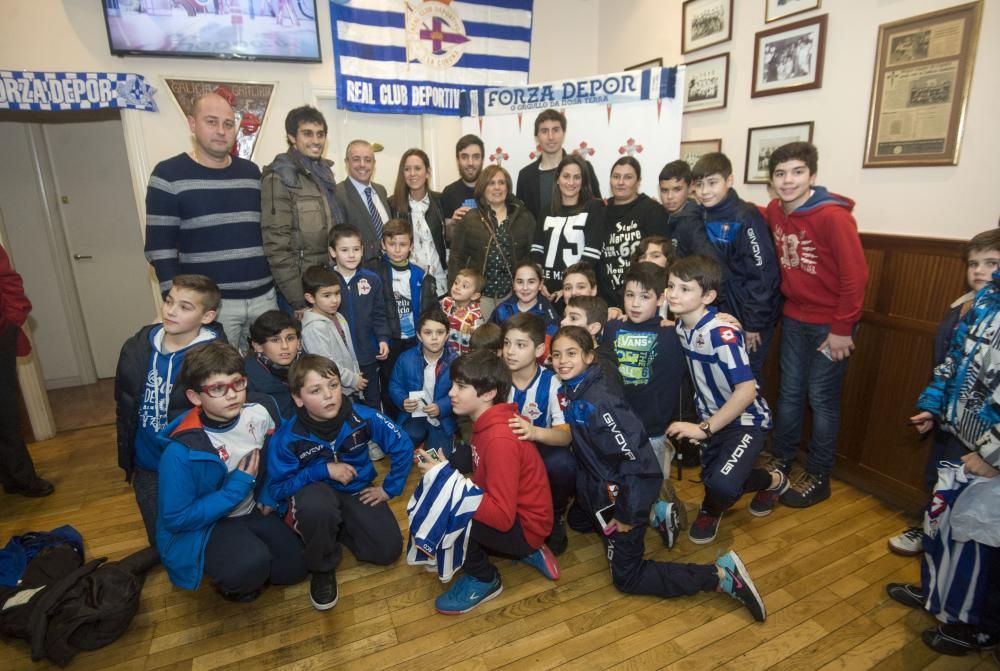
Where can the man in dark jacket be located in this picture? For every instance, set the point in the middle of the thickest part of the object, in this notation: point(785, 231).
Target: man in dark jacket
point(298, 207)
point(535, 181)
point(365, 203)
point(17, 471)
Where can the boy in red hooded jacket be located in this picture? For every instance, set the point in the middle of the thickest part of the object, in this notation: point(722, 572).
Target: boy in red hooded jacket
point(515, 515)
point(17, 471)
point(823, 278)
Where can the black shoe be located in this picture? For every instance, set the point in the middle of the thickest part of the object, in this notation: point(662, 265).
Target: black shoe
point(958, 639)
point(908, 595)
point(579, 519)
point(807, 490)
point(237, 597)
point(35, 489)
point(323, 590)
point(557, 540)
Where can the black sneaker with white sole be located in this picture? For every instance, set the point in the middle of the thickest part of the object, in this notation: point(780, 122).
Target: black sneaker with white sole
point(908, 595)
point(958, 639)
point(323, 590)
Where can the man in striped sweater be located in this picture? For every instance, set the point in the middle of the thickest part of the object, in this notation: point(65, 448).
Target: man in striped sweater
point(203, 216)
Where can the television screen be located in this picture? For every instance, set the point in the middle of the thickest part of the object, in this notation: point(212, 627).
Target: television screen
point(278, 30)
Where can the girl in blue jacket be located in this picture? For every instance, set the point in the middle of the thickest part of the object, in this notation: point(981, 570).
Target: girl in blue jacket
point(618, 479)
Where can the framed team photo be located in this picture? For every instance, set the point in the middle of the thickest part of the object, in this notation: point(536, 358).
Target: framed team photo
point(704, 23)
point(789, 58)
point(920, 88)
point(692, 150)
point(775, 10)
point(706, 84)
point(763, 140)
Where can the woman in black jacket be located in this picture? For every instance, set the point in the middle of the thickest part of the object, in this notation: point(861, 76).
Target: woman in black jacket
point(493, 238)
point(413, 201)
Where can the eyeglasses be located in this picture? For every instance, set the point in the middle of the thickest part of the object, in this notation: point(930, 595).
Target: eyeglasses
point(220, 390)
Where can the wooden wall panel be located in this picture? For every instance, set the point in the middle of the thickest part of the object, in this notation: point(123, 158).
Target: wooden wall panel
point(912, 283)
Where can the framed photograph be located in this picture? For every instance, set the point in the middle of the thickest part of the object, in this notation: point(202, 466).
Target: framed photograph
point(706, 84)
point(692, 150)
point(789, 58)
point(704, 23)
point(654, 63)
point(775, 10)
point(923, 71)
point(763, 140)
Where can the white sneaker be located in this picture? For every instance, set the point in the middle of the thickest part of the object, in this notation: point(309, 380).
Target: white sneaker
point(375, 452)
point(910, 543)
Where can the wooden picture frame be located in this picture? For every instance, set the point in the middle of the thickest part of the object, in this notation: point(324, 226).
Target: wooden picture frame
point(692, 150)
point(652, 63)
point(706, 84)
point(920, 88)
point(763, 140)
point(775, 10)
point(789, 58)
point(704, 23)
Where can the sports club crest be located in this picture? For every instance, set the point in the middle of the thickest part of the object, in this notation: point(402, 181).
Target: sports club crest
point(435, 34)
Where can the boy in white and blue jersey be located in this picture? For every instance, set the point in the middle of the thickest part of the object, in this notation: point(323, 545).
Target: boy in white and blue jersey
point(535, 390)
point(734, 415)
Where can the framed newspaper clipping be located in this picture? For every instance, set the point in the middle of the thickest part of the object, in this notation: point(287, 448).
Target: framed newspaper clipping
point(923, 71)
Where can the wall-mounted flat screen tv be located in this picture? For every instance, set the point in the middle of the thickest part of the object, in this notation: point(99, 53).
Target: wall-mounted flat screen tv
point(274, 30)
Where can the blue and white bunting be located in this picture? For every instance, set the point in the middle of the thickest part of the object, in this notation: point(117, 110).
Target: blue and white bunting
point(62, 91)
point(417, 56)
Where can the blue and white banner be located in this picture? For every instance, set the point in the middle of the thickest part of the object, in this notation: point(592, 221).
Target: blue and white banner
point(621, 87)
point(417, 56)
point(62, 91)
point(635, 113)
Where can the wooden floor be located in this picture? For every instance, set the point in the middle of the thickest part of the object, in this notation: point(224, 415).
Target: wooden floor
point(822, 572)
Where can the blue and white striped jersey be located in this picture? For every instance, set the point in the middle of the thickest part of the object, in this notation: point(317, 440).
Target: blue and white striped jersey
point(718, 362)
point(540, 401)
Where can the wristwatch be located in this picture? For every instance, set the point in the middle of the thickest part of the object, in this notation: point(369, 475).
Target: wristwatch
point(706, 428)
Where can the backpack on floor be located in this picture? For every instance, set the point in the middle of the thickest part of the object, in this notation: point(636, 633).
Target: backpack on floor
point(63, 606)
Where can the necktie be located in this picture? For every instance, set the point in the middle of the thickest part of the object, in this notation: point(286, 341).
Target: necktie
point(376, 219)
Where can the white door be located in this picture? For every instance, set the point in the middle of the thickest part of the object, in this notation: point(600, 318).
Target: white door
point(94, 190)
point(395, 132)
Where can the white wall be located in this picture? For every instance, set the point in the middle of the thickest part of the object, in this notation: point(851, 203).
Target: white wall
point(947, 202)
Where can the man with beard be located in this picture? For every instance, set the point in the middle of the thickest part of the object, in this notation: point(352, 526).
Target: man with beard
point(457, 198)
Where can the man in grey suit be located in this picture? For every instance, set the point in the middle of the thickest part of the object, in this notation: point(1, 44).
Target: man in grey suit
point(365, 203)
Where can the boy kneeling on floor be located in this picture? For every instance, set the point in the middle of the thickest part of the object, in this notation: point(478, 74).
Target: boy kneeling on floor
point(209, 521)
point(324, 481)
point(515, 515)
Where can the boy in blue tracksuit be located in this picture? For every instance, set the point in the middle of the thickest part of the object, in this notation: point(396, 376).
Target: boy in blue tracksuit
point(322, 479)
point(408, 292)
point(363, 306)
point(420, 383)
point(750, 274)
point(147, 396)
point(209, 521)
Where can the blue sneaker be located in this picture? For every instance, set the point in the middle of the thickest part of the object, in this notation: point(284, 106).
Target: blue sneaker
point(543, 560)
point(663, 518)
point(736, 583)
point(466, 594)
